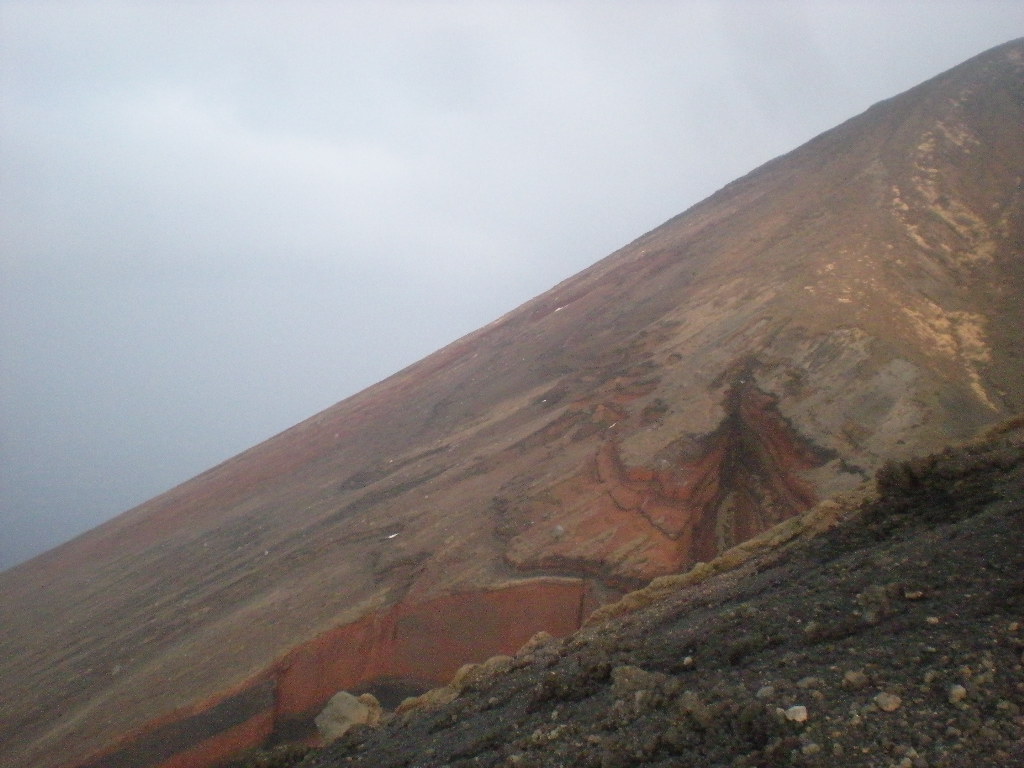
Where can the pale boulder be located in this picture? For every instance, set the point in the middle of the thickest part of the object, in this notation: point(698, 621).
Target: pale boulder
point(344, 711)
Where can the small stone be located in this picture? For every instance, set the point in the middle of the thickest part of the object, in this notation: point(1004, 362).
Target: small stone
point(855, 679)
point(797, 714)
point(917, 760)
point(933, 619)
point(692, 705)
point(913, 594)
point(535, 643)
point(809, 682)
point(957, 693)
point(888, 702)
point(811, 748)
point(627, 680)
point(986, 733)
point(765, 691)
point(1008, 707)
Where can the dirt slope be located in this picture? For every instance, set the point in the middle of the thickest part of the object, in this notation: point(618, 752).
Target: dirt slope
point(895, 638)
point(858, 299)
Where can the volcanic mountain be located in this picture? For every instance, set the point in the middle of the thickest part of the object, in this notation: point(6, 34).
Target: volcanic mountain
point(857, 300)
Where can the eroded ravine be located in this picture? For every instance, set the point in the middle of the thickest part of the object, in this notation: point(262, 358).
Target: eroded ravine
point(700, 496)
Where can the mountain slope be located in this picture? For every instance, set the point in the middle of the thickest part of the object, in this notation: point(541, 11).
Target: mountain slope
point(856, 300)
point(884, 632)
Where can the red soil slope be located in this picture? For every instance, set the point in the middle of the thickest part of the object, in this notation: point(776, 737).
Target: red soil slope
point(281, 702)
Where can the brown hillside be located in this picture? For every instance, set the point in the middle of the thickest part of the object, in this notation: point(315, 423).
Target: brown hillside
point(856, 300)
point(876, 631)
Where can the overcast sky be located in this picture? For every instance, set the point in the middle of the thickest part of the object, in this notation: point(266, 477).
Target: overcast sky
point(218, 218)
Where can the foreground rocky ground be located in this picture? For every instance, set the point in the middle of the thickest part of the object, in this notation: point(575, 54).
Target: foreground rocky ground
point(887, 631)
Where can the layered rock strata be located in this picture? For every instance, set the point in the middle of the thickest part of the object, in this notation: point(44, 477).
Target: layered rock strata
point(382, 652)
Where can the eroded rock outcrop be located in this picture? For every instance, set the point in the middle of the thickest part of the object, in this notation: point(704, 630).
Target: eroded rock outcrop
point(701, 496)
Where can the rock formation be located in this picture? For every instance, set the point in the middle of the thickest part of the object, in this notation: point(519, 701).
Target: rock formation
point(344, 711)
point(857, 300)
point(880, 629)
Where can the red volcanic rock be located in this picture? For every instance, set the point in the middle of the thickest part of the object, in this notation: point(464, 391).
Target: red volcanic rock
point(634, 523)
point(282, 702)
point(456, 628)
point(857, 300)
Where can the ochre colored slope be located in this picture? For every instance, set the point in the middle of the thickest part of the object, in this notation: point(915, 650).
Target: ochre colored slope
point(858, 299)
